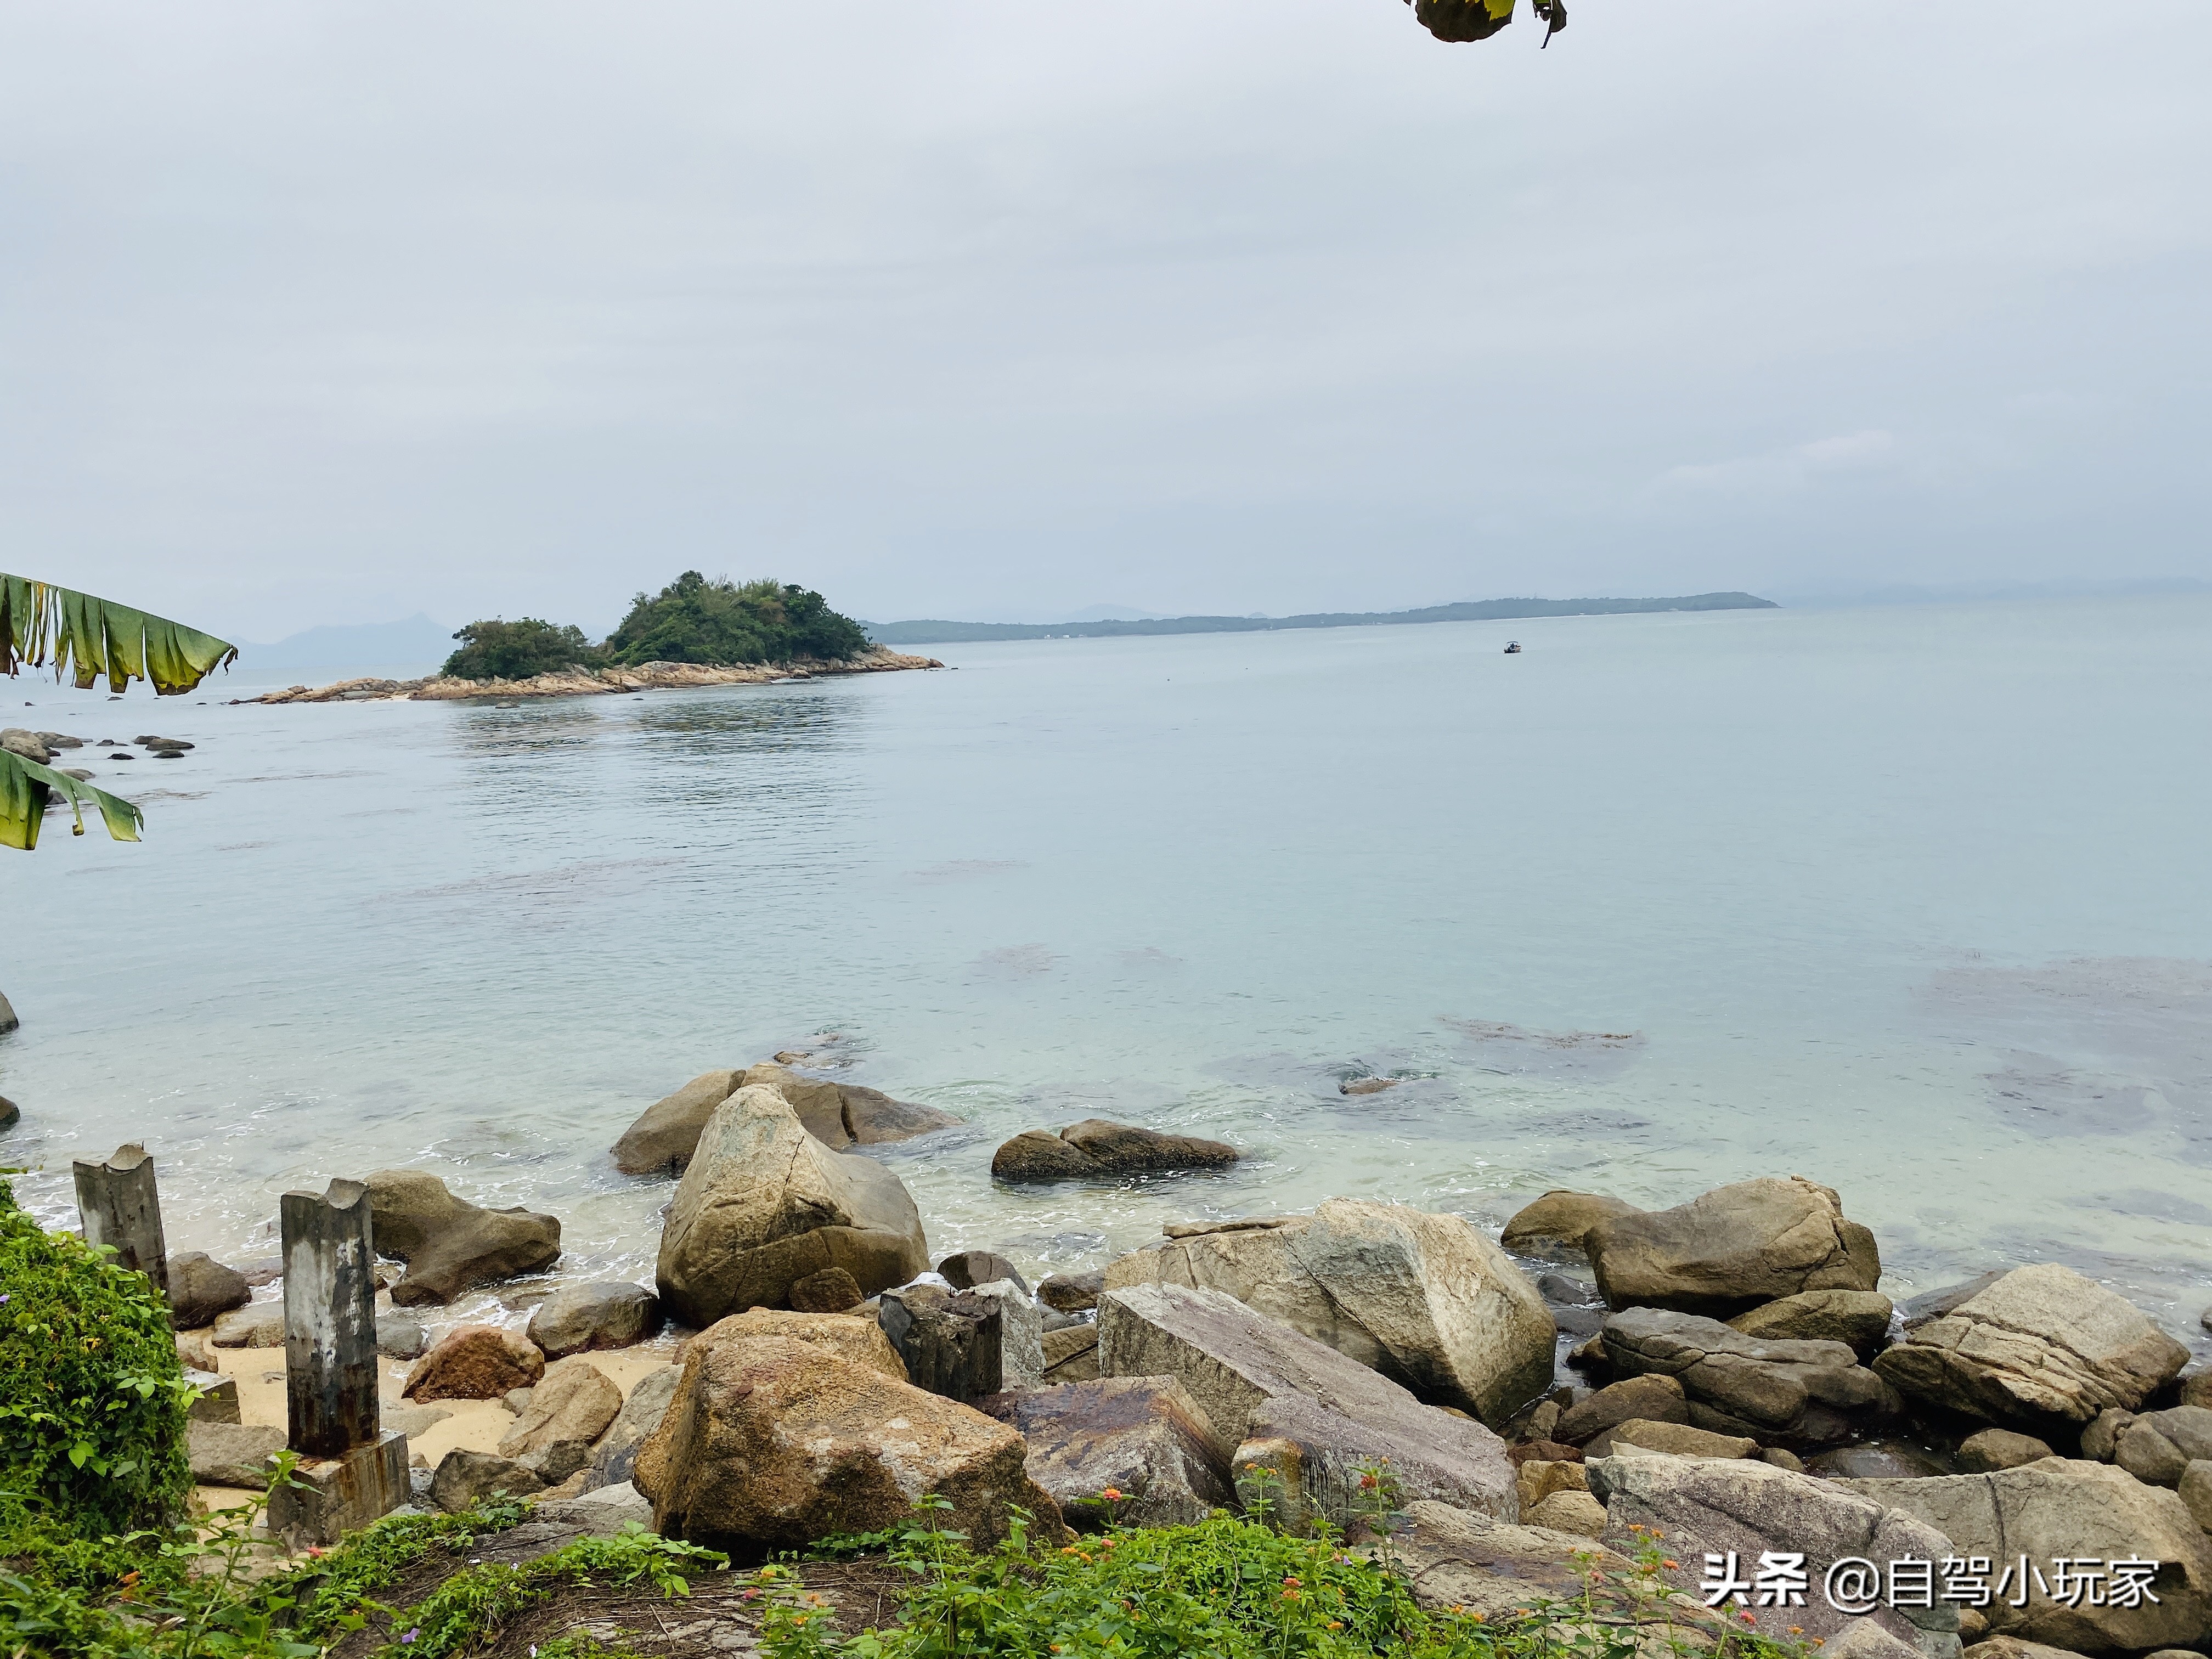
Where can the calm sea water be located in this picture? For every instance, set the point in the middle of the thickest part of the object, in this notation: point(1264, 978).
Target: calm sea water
point(1915, 902)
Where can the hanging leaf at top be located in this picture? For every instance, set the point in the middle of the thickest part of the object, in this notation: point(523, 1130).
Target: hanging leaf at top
point(1478, 20)
point(94, 637)
point(26, 786)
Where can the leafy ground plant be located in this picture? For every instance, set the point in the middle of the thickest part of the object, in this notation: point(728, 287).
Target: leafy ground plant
point(1226, 1588)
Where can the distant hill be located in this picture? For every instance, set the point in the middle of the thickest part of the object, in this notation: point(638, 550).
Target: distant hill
point(414, 640)
point(947, 633)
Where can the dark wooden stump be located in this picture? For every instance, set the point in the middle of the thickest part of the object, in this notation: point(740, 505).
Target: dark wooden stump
point(121, 1209)
point(330, 1320)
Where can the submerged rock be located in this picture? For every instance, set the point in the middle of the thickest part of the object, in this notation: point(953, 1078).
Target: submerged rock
point(1557, 1224)
point(449, 1245)
point(664, 1136)
point(1097, 1147)
point(764, 1205)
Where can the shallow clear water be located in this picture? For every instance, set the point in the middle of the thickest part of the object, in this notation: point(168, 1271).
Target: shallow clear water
point(1915, 901)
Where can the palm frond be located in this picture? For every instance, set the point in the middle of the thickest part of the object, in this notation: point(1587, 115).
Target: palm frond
point(26, 786)
point(41, 623)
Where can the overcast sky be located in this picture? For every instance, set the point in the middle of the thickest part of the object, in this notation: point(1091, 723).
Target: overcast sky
point(333, 311)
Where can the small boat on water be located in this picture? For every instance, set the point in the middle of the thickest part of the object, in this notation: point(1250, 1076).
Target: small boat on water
point(1512, 647)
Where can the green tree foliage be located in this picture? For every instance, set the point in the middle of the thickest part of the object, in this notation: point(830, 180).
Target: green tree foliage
point(91, 1419)
point(499, 650)
point(722, 624)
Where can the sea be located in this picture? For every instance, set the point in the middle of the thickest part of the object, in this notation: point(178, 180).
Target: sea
point(1915, 901)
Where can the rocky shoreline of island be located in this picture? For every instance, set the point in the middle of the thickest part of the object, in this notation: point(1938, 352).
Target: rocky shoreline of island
point(587, 682)
point(1726, 1373)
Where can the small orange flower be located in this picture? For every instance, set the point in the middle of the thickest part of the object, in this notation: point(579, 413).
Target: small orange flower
point(1112, 1494)
point(1671, 1564)
point(1748, 1617)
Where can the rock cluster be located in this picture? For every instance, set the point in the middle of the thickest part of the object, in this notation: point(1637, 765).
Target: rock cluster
point(839, 1114)
point(1425, 1299)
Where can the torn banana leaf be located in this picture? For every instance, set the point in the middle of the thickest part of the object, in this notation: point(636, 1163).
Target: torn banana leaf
point(26, 786)
point(1478, 20)
point(77, 632)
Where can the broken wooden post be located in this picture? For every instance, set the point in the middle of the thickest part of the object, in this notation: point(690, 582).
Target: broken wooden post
point(120, 1208)
point(349, 1472)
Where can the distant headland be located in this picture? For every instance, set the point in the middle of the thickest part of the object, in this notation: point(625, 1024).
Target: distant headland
point(946, 633)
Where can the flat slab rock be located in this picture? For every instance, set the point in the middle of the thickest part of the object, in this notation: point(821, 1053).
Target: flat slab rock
point(1800, 1394)
point(1751, 1508)
point(1142, 1437)
point(2037, 1344)
point(1097, 1146)
point(1300, 1407)
point(2061, 1507)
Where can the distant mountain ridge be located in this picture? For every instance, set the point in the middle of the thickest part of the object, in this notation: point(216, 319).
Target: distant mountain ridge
point(949, 632)
point(412, 640)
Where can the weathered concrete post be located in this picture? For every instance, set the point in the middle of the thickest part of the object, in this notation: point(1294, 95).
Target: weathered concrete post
point(120, 1208)
point(349, 1472)
point(330, 1320)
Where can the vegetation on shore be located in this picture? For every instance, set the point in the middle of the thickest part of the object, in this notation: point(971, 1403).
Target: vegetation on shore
point(716, 624)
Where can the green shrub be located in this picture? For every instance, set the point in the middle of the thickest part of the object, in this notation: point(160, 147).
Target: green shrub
point(497, 650)
point(721, 623)
point(92, 1417)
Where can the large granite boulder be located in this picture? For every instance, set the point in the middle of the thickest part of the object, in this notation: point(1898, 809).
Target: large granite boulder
point(1071, 1293)
point(475, 1362)
point(1803, 1395)
point(610, 1313)
point(1725, 1252)
point(1557, 1226)
point(771, 1444)
point(1749, 1508)
point(575, 1401)
point(2159, 1446)
point(664, 1136)
point(1858, 1319)
point(202, 1289)
point(449, 1245)
point(842, 1115)
point(2040, 1345)
point(1425, 1299)
point(614, 1459)
point(1098, 1147)
point(256, 1325)
point(764, 1204)
point(1143, 1437)
point(2081, 1511)
point(1277, 1397)
point(860, 1341)
point(1071, 1354)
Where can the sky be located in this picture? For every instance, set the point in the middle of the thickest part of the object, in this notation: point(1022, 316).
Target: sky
point(332, 314)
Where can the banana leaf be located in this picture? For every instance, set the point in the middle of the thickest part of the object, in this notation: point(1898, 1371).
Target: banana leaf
point(26, 786)
point(91, 636)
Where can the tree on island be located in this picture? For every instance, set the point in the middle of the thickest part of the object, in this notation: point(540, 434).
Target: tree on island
point(41, 623)
point(498, 650)
point(717, 624)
